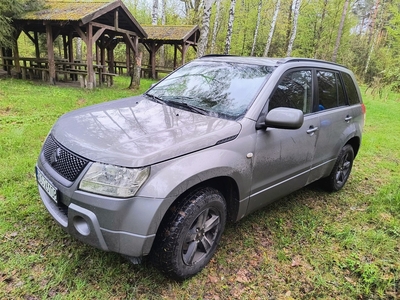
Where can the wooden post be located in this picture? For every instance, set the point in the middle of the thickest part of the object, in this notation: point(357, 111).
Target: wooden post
point(16, 54)
point(91, 82)
point(50, 54)
point(102, 59)
point(175, 55)
point(65, 46)
point(184, 50)
point(153, 60)
point(37, 49)
point(128, 58)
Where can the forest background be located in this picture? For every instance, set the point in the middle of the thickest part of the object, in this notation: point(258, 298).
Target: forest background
point(363, 35)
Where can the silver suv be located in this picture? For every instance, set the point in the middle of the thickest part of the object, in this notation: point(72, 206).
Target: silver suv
point(219, 138)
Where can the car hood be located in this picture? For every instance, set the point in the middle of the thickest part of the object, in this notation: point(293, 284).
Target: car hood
point(135, 132)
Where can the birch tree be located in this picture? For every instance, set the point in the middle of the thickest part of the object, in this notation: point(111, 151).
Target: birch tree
point(296, 5)
point(272, 29)
point(340, 30)
point(154, 13)
point(216, 26)
point(205, 28)
point(163, 22)
point(257, 26)
point(230, 27)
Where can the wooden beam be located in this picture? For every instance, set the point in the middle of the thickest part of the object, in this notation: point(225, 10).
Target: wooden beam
point(116, 20)
point(98, 34)
point(29, 36)
point(132, 44)
point(99, 25)
point(81, 33)
point(100, 12)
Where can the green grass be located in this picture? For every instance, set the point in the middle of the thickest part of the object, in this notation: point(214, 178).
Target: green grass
point(310, 244)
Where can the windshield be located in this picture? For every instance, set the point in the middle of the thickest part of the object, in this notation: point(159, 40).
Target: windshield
point(217, 88)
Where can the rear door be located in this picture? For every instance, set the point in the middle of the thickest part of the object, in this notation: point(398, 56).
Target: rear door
point(335, 121)
point(283, 158)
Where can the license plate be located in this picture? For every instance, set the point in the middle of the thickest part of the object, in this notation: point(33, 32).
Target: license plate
point(46, 184)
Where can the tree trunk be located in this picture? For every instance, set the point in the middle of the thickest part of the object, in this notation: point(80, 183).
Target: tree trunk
point(163, 22)
point(257, 27)
point(272, 30)
point(216, 25)
point(296, 4)
point(340, 31)
point(230, 27)
point(205, 28)
point(135, 71)
point(319, 32)
point(289, 21)
point(154, 13)
point(79, 48)
point(373, 21)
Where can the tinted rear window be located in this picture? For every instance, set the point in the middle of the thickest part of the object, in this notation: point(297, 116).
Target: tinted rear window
point(351, 90)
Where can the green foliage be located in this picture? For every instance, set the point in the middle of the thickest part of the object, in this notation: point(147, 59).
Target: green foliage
point(10, 9)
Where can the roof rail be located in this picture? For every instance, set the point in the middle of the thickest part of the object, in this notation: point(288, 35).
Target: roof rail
point(298, 59)
point(219, 55)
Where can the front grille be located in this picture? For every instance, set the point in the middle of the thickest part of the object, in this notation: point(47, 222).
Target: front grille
point(64, 162)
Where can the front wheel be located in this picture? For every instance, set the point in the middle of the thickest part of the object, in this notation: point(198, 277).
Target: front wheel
point(341, 171)
point(190, 234)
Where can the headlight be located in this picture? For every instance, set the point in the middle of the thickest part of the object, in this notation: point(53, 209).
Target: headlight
point(113, 180)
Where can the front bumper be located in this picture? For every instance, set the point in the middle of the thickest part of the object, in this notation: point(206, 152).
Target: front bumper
point(126, 226)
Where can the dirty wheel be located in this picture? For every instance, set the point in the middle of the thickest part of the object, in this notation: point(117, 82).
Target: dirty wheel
point(341, 171)
point(190, 234)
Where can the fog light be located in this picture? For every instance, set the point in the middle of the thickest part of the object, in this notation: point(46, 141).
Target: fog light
point(81, 225)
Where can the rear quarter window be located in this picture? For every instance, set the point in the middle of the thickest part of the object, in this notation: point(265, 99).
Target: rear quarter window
point(351, 89)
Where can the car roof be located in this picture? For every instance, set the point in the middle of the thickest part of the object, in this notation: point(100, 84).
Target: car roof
point(267, 61)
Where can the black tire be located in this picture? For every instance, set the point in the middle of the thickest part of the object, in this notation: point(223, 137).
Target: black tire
point(341, 170)
point(190, 234)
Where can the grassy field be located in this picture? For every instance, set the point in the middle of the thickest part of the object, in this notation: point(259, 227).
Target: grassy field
point(310, 245)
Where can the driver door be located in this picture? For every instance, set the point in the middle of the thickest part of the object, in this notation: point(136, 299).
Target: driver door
point(283, 157)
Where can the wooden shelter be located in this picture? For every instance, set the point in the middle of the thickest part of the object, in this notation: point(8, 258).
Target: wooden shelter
point(181, 37)
point(96, 22)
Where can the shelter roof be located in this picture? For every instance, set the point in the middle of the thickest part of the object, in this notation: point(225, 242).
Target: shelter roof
point(179, 33)
point(83, 12)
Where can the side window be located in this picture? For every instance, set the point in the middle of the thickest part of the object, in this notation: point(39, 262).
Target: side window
point(330, 90)
point(294, 90)
point(351, 90)
point(341, 95)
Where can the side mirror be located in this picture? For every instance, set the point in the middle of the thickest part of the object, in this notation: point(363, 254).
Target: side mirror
point(284, 118)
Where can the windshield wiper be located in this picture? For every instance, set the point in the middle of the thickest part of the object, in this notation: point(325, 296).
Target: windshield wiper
point(155, 98)
point(189, 107)
point(178, 104)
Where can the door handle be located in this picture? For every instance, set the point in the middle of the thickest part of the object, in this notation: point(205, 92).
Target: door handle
point(311, 130)
point(348, 118)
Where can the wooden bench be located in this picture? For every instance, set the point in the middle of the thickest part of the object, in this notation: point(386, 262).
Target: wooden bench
point(44, 73)
point(107, 78)
point(146, 72)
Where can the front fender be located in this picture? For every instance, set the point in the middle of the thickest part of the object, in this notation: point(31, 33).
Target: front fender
point(170, 179)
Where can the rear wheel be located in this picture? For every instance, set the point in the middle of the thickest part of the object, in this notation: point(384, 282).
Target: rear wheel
point(341, 171)
point(190, 234)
